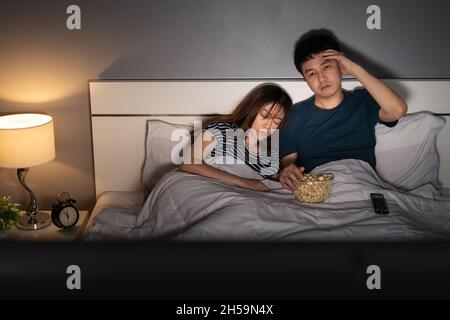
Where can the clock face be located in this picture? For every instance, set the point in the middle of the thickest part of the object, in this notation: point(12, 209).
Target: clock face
point(68, 216)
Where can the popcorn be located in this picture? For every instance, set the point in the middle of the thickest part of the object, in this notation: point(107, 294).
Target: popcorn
point(314, 187)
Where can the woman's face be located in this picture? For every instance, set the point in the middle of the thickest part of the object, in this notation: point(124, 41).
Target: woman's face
point(267, 120)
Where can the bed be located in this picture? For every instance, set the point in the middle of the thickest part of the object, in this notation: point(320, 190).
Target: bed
point(124, 113)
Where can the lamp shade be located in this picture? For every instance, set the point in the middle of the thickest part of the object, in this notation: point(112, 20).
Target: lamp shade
point(26, 140)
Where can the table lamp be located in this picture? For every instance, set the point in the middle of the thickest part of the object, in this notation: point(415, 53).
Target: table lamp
point(27, 140)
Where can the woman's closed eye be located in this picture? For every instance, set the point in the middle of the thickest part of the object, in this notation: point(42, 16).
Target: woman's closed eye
point(264, 114)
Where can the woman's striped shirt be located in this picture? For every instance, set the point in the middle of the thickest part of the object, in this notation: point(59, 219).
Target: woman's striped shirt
point(231, 143)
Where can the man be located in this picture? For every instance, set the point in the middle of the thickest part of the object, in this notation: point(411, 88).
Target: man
point(333, 124)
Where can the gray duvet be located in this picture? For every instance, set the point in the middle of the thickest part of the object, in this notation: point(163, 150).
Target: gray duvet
point(184, 206)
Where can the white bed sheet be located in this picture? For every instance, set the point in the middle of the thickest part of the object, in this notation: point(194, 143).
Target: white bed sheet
point(131, 201)
point(445, 192)
point(192, 213)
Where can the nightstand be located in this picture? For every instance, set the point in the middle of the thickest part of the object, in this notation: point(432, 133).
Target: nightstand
point(50, 233)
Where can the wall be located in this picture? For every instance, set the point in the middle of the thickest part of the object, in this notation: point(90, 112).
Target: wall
point(44, 67)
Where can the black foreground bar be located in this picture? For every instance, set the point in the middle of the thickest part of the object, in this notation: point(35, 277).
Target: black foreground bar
point(152, 270)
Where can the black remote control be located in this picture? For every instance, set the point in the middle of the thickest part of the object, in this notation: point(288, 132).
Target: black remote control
point(379, 203)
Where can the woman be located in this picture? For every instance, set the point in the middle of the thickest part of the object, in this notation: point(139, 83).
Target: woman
point(260, 113)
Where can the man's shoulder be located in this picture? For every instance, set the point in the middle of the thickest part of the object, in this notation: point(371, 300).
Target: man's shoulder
point(358, 96)
point(303, 105)
point(358, 92)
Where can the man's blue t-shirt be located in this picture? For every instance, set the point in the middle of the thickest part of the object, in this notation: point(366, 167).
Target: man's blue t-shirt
point(319, 136)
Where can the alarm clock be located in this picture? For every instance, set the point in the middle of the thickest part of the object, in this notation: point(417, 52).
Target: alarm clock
point(64, 213)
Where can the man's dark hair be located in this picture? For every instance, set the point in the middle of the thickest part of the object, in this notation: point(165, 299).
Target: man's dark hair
point(313, 42)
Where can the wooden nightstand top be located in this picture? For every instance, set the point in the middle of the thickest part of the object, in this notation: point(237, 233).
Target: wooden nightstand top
point(50, 233)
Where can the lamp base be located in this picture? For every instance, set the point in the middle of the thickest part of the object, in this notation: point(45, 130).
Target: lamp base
point(39, 221)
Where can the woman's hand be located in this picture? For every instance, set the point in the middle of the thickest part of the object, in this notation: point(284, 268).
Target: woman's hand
point(252, 184)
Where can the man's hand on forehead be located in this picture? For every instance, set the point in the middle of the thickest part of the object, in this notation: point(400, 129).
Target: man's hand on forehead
point(330, 51)
point(346, 66)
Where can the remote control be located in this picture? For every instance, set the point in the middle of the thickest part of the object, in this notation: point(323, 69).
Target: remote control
point(379, 203)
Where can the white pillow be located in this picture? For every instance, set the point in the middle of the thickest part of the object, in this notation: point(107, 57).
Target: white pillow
point(159, 149)
point(406, 154)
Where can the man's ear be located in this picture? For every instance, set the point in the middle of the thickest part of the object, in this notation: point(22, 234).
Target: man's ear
point(302, 71)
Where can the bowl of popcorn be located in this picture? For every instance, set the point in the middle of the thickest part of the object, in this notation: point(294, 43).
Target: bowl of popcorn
point(314, 187)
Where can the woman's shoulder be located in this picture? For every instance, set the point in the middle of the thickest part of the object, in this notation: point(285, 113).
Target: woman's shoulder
point(221, 125)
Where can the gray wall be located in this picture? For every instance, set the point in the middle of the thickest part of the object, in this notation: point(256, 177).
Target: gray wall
point(45, 68)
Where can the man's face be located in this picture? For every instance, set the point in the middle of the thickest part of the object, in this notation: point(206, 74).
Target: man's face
point(322, 75)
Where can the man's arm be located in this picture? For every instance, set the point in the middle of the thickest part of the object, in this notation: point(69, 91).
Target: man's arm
point(392, 106)
point(289, 159)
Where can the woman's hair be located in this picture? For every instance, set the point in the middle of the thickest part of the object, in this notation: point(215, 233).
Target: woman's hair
point(246, 111)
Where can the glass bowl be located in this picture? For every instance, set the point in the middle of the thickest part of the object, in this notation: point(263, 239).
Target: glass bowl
point(314, 187)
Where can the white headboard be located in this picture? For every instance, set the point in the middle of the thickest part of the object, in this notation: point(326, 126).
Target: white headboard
point(120, 110)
